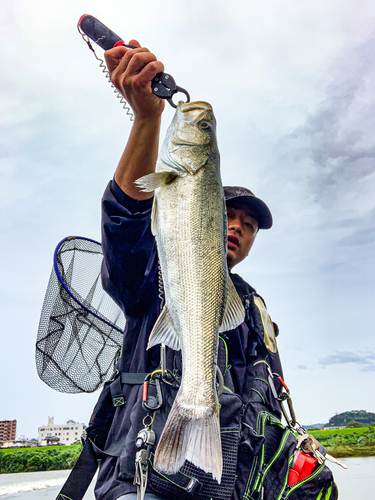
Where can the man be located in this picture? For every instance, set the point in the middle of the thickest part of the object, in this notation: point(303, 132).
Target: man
point(130, 275)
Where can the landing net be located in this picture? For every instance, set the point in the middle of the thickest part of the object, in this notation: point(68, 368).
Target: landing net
point(81, 328)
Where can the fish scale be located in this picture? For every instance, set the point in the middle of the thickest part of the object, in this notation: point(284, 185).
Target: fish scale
point(189, 224)
point(193, 271)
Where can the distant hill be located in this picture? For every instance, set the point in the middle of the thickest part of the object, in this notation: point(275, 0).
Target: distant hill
point(361, 416)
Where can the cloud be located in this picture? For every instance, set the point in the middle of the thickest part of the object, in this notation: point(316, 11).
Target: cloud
point(266, 68)
point(363, 361)
point(321, 177)
point(336, 139)
point(330, 157)
point(363, 232)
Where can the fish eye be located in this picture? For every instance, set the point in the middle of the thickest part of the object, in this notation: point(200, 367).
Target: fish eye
point(204, 125)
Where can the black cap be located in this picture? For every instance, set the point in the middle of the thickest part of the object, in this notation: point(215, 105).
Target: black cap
point(260, 209)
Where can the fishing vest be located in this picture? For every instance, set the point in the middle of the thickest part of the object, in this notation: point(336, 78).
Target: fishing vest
point(258, 450)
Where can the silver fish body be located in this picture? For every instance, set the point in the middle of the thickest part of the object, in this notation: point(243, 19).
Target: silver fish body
point(189, 224)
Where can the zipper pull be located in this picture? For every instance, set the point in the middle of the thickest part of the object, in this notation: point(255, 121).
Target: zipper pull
point(285, 492)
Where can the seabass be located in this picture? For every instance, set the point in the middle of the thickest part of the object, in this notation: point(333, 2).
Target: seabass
point(189, 224)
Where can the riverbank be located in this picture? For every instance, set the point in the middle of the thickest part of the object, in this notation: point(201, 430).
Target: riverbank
point(38, 459)
point(356, 482)
point(356, 442)
point(341, 443)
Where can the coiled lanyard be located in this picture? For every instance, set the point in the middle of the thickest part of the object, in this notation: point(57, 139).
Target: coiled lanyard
point(163, 85)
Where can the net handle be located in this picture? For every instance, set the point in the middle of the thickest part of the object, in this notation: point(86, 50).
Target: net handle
point(69, 238)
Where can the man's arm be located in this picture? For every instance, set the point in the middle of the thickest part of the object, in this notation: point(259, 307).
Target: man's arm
point(131, 72)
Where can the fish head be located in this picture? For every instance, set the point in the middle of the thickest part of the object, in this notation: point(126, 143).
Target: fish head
point(191, 138)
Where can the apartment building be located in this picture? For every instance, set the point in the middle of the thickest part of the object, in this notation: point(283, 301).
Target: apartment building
point(67, 433)
point(8, 430)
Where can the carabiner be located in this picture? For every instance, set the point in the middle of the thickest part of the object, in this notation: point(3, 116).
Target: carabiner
point(152, 403)
point(285, 396)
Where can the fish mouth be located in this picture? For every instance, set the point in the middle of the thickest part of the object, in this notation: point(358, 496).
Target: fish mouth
point(195, 111)
point(233, 241)
point(195, 106)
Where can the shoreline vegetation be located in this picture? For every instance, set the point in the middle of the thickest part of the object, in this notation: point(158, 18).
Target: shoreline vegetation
point(349, 442)
point(13, 460)
point(341, 443)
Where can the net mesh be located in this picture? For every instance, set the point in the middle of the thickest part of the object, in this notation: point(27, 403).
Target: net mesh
point(80, 328)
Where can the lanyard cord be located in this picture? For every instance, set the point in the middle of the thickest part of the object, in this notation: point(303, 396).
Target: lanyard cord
point(106, 74)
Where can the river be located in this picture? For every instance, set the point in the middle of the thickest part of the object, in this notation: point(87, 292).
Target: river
point(355, 483)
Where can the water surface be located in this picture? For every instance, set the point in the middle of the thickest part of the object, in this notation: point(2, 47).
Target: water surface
point(355, 483)
point(358, 481)
point(36, 485)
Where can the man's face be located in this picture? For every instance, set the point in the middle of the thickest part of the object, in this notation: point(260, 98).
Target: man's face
point(242, 230)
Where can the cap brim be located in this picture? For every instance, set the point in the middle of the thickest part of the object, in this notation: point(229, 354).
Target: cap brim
point(264, 216)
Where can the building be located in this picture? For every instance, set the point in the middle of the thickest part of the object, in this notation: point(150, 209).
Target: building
point(67, 433)
point(6, 444)
point(8, 430)
point(20, 443)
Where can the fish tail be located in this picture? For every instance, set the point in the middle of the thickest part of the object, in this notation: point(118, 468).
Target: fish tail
point(187, 438)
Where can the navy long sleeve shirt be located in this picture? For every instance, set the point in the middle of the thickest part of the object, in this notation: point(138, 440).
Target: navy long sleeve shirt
point(130, 276)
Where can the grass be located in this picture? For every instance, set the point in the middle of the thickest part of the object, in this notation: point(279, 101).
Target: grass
point(330, 432)
point(69, 447)
point(351, 451)
point(352, 442)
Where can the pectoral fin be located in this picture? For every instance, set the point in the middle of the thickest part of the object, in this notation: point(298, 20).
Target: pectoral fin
point(164, 332)
point(150, 182)
point(234, 313)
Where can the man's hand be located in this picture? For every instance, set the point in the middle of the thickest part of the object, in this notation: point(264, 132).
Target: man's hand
point(131, 72)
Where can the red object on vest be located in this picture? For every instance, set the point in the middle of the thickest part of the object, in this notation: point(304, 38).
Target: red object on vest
point(302, 468)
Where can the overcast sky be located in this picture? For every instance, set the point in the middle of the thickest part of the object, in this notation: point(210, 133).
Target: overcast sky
point(293, 89)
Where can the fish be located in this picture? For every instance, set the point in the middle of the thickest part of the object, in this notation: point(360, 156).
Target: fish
point(189, 223)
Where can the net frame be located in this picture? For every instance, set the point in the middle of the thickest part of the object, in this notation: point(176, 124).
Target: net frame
point(81, 328)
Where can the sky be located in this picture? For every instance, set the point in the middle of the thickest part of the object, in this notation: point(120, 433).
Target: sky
point(292, 86)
